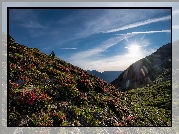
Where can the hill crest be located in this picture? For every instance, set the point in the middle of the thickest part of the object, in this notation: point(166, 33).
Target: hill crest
point(145, 70)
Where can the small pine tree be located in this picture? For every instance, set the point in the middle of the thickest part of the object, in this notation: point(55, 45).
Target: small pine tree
point(52, 54)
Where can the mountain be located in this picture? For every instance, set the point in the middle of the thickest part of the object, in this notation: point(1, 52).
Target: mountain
point(112, 75)
point(44, 90)
point(108, 76)
point(99, 74)
point(146, 70)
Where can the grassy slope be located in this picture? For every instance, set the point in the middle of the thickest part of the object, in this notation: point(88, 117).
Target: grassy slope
point(77, 98)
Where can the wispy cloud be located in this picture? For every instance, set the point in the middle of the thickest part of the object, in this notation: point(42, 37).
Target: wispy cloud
point(101, 48)
point(148, 32)
point(149, 21)
point(85, 59)
point(117, 62)
point(102, 21)
point(68, 48)
point(32, 24)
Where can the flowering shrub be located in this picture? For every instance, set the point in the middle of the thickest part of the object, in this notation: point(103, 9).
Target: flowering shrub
point(29, 97)
point(91, 101)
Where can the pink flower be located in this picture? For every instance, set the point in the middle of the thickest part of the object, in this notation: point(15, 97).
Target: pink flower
point(67, 69)
point(110, 99)
point(128, 118)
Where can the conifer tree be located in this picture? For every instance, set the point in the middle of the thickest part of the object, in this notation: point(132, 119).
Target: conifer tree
point(52, 54)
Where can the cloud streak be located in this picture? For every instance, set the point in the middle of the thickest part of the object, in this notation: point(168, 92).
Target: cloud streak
point(149, 21)
point(148, 32)
point(68, 48)
point(32, 24)
point(101, 48)
point(106, 20)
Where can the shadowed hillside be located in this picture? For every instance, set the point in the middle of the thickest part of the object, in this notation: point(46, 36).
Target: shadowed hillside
point(46, 91)
point(144, 71)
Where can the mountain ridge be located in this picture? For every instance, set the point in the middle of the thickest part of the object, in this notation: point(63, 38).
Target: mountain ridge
point(141, 72)
point(108, 76)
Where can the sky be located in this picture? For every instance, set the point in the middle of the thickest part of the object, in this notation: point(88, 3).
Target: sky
point(93, 39)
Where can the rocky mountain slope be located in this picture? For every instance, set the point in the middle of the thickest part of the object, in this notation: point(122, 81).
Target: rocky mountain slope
point(144, 71)
point(108, 76)
point(46, 91)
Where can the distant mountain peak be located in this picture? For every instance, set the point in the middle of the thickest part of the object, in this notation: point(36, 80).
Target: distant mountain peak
point(108, 76)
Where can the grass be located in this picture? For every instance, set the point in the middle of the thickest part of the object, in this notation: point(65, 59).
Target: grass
point(77, 98)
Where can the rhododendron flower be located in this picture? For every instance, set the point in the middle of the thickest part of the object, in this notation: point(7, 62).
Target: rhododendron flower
point(128, 118)
point(55, 114)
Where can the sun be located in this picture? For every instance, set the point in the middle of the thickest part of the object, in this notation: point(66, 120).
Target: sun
point(134, 49)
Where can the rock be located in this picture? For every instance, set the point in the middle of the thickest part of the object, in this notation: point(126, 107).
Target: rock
point(30, 88)
point(96, 115)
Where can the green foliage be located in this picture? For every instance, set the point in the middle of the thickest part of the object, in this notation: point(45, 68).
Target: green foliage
point(75, 97)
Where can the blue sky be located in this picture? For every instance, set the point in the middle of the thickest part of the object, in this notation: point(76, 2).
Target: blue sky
point(94, 39)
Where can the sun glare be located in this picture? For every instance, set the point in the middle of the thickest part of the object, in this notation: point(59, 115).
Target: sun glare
point(134, 49)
